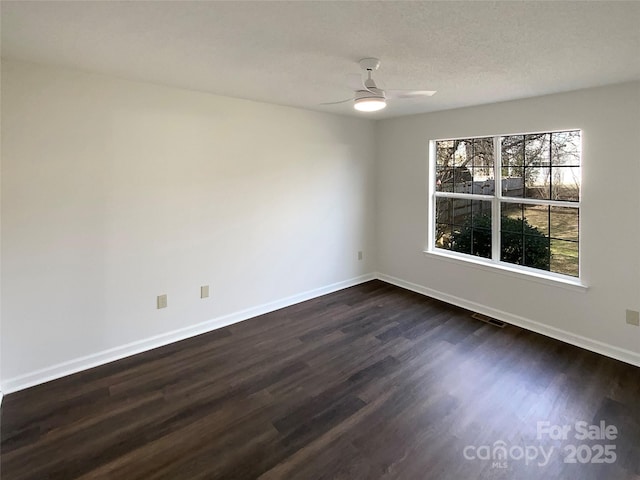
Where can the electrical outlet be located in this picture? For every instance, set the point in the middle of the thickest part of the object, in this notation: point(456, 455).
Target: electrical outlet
point(162, 301)
point(633, 318)
point(360, 255)
point(204, 291)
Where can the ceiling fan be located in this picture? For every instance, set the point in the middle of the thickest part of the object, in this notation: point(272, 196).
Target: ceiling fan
point(368, 97)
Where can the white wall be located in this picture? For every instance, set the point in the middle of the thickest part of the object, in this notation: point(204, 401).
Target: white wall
point(114, 192)
point(610, 216)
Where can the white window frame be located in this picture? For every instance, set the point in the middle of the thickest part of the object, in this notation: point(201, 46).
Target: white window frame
point(494, 263)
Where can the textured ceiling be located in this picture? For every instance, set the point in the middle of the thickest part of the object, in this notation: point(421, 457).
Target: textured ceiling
point(301, 53)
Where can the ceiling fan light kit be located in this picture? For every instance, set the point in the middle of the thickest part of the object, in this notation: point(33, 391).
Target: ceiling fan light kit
point(367, 101)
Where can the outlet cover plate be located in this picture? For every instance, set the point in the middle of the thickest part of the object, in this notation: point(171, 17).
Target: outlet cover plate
point(633, 318)
point(162, 301)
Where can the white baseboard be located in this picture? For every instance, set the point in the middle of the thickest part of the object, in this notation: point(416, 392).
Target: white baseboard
point(83, 363)
point(73, 366)
point(621, 354)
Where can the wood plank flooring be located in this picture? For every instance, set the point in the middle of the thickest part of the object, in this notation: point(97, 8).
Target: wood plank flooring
point(371, 382)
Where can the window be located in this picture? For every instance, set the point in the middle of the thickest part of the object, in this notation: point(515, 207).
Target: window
point(531, 220)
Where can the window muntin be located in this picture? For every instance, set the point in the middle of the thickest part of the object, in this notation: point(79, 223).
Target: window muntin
point(466, 221)
point(531, 220)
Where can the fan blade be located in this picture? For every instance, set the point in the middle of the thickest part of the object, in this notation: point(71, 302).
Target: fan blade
point(335, 103)
point(409, 93)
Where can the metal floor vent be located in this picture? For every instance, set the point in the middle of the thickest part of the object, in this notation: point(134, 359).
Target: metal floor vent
point(485, 319)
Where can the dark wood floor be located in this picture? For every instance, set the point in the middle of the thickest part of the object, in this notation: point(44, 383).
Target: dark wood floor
point(370, 382)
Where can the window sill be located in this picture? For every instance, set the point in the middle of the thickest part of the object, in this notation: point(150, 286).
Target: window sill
point(518, 272)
